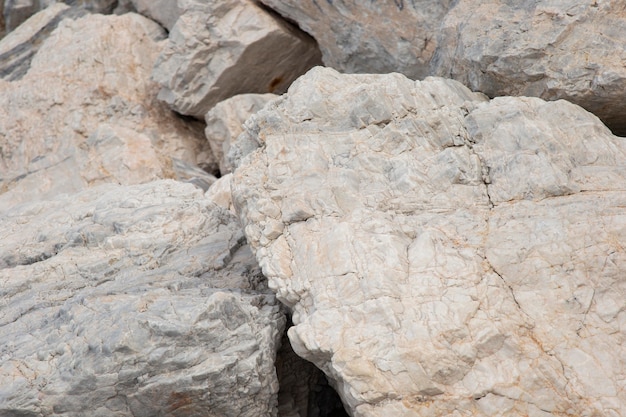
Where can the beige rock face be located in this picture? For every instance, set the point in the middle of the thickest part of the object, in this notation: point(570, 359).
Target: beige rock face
point(373, 36)
point(443, 254)
point(86, 113)
point(568, 49)
point(220, 49)
point(138, 300)
point(224, 123)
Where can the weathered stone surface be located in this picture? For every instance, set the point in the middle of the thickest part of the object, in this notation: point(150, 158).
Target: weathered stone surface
point(15, 12)
point(224, 123)
point(370, 37)
point(18, 48)
point(443, 254)
point(566, 49)
point(220, 49)
point(165, 12)
point(86, 113)
point(136, 300)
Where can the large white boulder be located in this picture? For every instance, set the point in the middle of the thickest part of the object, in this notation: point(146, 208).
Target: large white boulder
point(443, 254)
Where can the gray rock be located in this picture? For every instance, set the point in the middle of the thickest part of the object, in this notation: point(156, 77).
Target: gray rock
point(86, 113)
point(224, 123)
point(133, 301)
point(15, 12)
point(220, 49)
point(440, 251)
point(165, 12)
point(370, 37)
point(18, 48)
point(553, 50)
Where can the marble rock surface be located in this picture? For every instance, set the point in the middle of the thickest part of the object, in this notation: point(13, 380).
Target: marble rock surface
point(220, 49)
point(224, 123)
point(443, 254)
point(372, 36)
point(86, 113)
point(18, 47)
point(140, 300)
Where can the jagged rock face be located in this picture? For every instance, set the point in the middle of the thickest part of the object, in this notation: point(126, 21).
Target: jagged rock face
point(86, 113)
point(440, 251)
point(376, 36)
point(569, 49)
point(224, 123)
point(136, 300)
point(220, 49)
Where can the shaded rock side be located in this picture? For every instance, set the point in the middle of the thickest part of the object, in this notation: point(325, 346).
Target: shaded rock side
point(136, 300)
point(18, 48)
point(370, 37)
point(568, 49)
point(224, 123)
point(441, 251)
point(220, 49)
point(165, 12)
point(86, 113)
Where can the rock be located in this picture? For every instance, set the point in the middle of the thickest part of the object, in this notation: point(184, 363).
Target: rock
point(86, 113)
point(220, 194)
point(165, 12)
point(15, 12)
point(370, 37)
point(224, 123)
point(568, 50)
point(18, 48)
point(136, 300)
point(220, 49)
point(440, 251)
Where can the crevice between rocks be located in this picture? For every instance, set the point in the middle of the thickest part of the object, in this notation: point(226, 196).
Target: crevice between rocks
point(304, 389)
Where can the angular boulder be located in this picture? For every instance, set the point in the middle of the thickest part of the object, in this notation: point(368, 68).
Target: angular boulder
point(224, 123)
point(86, 113)
point(165, 12)
point(136, 300)
point(220, 49)
point(370, 37)
point(441, 251)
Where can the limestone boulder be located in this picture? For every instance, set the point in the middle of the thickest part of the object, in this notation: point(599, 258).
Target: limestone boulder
point(547, 49)
point(441, 251)
point(138, 300)
point(220, 49)
point(86, 113)
point(370, 37)
point(224, 123)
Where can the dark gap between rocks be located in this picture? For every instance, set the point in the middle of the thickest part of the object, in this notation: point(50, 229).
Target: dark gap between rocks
point(304, 389)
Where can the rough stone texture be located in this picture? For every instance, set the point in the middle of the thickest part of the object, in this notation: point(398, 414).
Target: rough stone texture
point(372, 37)
point(165, 12)
point(18, 47)
point(224, 123)
point(136, 300)
point(566, 49)
point(443, 254)
point(220, 49)
point(15, 12)
point(87, 113)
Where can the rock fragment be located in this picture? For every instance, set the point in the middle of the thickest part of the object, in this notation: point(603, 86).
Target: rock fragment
point(220, 49)
point(165, 12)
point(441, 251)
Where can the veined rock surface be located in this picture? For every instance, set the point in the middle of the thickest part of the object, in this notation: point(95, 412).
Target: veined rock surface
point(443, 254)
point(86, 113)
point(138, 300)
point(219, 49)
